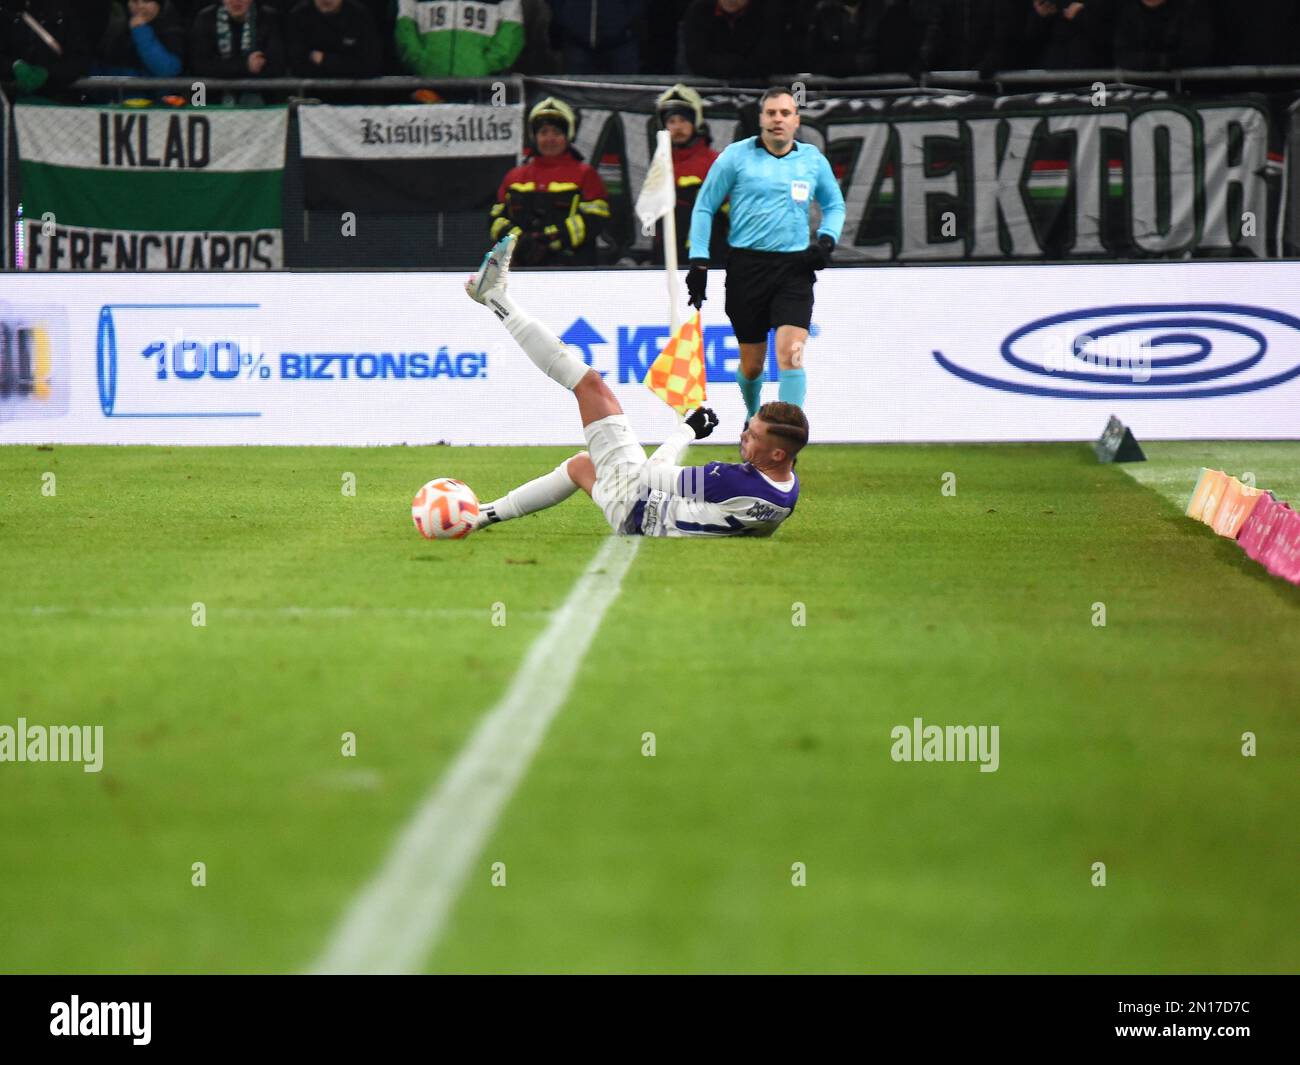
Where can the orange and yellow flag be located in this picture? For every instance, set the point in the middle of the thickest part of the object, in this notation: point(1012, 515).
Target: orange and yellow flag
point(677, 374)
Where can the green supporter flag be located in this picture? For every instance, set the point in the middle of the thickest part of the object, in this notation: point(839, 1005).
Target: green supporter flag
point(115, 188)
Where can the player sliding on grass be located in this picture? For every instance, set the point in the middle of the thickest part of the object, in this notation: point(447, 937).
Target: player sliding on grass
point(640, 496)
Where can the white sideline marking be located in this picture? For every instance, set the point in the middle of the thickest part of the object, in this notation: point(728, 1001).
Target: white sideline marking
point(393, 925)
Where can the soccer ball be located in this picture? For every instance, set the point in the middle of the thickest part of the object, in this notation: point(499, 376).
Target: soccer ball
point(444, 509)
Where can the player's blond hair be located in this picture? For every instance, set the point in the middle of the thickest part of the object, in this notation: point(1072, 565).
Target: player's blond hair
point(786, 421)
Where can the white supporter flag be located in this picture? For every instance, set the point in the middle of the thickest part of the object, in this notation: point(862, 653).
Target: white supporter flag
point(659, 193)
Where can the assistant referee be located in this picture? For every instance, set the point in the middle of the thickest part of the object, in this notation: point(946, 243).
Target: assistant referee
point(771, 265)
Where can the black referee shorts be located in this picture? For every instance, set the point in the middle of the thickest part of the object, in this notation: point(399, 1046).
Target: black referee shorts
point(766, 289)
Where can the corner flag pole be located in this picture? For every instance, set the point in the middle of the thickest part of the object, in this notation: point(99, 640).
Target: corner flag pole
point(664, 144)
point(658, 201)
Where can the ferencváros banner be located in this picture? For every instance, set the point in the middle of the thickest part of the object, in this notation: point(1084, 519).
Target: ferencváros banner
point(115, 188)
point(1135, 173)
point(1205, 350)
point(407, 158)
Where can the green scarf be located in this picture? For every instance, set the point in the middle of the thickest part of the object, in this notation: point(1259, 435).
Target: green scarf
point(247, 39)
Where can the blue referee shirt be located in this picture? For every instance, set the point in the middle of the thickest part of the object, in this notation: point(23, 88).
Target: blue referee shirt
point(770, 196)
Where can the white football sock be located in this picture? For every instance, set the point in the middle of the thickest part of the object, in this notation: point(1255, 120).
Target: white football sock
point(537, 494)
point(552, 357)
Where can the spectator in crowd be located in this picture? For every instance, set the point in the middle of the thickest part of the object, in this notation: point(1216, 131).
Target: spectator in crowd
point(836, 40)
point(663, 22)
point(333, 39)
point(598, 36)
point(1163, 35)
point(538, 55)
point(48, 55)
point(1261, 33)
point(144, 39)
point(237, 39)
point(737, 39)
point(681, 113)
point(383, 14)
point(970, 35)
point(94, 16)
point(1068, 35)
point(186, 10)
point(554, 203)
point(844, 38)
point(445, 48)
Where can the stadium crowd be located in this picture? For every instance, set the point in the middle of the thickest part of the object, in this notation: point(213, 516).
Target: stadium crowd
point(48, 43)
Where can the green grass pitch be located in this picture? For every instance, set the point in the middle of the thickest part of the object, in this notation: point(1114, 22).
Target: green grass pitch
point(326, 614)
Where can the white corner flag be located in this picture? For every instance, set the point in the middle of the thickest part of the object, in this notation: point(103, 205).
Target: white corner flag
point(659, 193)
point(658, 200)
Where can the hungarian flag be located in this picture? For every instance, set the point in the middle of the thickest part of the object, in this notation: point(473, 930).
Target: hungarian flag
point(677, 374)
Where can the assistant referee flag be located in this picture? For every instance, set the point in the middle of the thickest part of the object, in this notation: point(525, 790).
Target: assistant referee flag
point(677, 374)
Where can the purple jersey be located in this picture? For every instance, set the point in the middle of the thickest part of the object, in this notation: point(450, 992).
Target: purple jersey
point(716, 499)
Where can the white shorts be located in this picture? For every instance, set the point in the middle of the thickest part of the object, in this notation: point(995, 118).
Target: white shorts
point(618, 459)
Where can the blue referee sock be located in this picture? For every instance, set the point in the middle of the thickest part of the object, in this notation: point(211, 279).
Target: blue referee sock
point(752, 390)
point(794, 387)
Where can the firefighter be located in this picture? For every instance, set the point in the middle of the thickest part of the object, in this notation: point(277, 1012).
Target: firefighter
point(681, 113)
point(554, 203)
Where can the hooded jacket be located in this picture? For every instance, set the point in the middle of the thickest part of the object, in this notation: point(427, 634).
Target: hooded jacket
point(459, 39)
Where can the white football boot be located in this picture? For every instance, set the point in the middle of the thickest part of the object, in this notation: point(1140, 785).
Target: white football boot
point(487, 515)
point(492, 272)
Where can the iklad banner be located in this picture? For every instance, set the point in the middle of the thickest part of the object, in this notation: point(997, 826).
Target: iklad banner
point(115, 188)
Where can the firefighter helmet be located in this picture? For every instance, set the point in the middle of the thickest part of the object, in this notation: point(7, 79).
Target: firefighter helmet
point(681, 100)
point(556, 111)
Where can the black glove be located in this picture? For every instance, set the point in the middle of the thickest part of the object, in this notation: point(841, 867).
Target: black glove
point(697, 280)
point(818, 253)
point(703, 421)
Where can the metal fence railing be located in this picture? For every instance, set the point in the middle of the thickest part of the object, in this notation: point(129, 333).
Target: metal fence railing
point(1177, 80)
